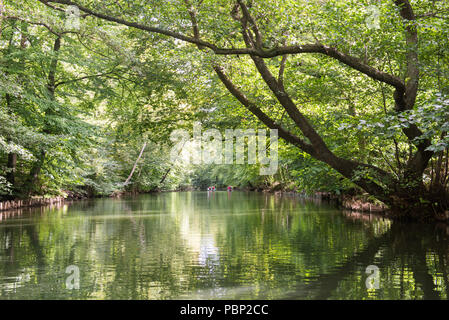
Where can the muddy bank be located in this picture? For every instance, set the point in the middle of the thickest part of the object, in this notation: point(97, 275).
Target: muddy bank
point(355, 203)
point(33, 202)
point(359, 203)
point(39, 201)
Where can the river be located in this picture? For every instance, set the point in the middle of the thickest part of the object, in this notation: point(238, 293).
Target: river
point(239, 245)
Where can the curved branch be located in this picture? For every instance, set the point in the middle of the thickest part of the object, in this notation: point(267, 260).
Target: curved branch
point(38, 23)
point(332, 52)
point(281, 72)
point(83, 78)
point(263, 117)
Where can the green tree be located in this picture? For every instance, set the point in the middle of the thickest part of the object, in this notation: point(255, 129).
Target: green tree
point(336, 36)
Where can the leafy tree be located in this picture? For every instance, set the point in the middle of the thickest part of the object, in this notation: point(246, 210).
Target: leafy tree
point(384, 70)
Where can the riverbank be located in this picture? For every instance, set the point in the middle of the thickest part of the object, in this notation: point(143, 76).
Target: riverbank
point(33, 202)
point(354, 203)
point(148, 232)
point(362, 204)
point(37, 201)
point(357, 202)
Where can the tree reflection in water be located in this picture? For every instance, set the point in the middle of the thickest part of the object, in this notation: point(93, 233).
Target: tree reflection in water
point(411, 257)
point(186, 245)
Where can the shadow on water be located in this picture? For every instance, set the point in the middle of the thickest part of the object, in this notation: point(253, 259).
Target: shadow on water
point(410, 252)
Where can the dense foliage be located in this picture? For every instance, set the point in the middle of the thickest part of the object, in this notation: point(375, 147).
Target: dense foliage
point(357, 89)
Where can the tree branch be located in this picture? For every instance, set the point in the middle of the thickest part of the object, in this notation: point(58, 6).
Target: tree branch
point(332, 52)
point(281, 72)
point(53, 65)
point(405, 100)
point(263, 117)
point(411, 37)
point(135, 165)
point(50, 29)
point(196, 30)
point(319, 149)
point(254, 26)
point(83, 78)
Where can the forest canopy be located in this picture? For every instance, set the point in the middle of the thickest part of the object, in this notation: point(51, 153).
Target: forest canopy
point(358, 91)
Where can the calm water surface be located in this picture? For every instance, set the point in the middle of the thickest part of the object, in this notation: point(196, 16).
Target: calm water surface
point(192, 245)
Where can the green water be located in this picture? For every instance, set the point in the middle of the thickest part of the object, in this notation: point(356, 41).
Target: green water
point(192, 245)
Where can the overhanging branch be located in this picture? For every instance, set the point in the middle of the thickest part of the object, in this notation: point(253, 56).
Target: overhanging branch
point(332, 52)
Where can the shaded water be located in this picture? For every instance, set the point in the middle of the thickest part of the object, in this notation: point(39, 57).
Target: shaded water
point(220, 246)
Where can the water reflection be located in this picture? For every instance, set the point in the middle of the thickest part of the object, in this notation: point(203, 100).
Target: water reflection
point(194, 245)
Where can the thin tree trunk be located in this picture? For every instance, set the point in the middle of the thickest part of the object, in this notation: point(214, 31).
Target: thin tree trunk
point(1, 17)
point(165, 175)
point(169, 169)
point(135, 164)
point(12, 166)
point(12, 157)
point(34, 174)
